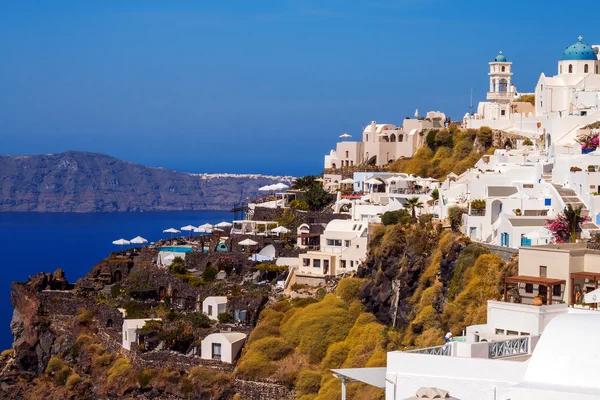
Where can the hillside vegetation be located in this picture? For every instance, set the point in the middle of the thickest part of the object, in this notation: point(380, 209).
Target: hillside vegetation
point(444, 282)
point(447, 150)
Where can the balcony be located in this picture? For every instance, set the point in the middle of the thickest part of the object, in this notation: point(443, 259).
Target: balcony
point(500, 95)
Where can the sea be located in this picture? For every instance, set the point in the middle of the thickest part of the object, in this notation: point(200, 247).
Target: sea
point(34, 242)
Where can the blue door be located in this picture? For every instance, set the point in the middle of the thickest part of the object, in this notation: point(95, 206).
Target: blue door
point(597, 218)
point(525, 241)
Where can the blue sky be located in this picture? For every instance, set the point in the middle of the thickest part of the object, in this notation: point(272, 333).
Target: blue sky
point(254, 86)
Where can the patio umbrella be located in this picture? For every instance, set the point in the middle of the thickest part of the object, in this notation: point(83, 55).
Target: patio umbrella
point(280, 230)
point(267, 188)
point(189, 228)
point(539, 234)
point(247, 242)
point(348, 181)
point(121, 242)
point(206, 226)
point(592, 297)
point(280, 186)
point(224, 225)
point(519, 195)
point(345, 136)
point(431, 393)
point(138, 240)
point(373, 181)
point(171, 231)
point(202, 230)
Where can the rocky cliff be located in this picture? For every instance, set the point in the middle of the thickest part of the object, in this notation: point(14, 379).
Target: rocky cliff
point(90, 182)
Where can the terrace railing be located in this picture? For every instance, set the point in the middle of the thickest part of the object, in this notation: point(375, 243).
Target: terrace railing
point(510, 347)
point(444, 350)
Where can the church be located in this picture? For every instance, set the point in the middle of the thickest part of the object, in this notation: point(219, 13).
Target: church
point(564, 103)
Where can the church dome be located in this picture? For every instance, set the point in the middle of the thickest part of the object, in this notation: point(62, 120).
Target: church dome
point(580, 52)
point(500, 58)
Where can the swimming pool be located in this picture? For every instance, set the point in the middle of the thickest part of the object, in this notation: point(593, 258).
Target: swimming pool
point(177, 249)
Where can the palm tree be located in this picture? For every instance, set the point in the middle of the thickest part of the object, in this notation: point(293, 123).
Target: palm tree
point(574, 218)
point(412, 204)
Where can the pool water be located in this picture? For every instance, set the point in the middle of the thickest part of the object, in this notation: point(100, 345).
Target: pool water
point(176, 249)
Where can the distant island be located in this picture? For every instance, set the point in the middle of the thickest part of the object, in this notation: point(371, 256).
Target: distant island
point(76, 181)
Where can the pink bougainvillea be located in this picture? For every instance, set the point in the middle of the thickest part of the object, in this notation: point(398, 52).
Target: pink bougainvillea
point(589, 141)
point(559, 226)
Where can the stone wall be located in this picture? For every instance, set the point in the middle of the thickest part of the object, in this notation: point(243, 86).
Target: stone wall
point(505, 252)
point(250, 390)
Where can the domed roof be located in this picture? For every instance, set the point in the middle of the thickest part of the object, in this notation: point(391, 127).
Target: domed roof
point(500, 58)
point(579, 51)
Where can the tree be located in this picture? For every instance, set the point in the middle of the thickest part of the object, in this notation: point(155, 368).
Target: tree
point(435, 194)
point(394, 217)
point(305, 182)
point(316, 198)
point(574, 220)
point(412, 204)
point(455, 214)
point(177, 266)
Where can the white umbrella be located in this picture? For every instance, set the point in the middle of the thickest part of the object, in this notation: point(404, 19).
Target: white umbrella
point(267, 188)
point(539, 234)
point(121, 242)
point(259, 258)
point(373, 181)
point(592, 297)
point(224, 225)
point(247, 242)
point(347, 181)
point(417, 113)
point(345, 136)
point(202, 230)
point(280, 229)
point(171, 230)
point(519, 195)
point(206, 226)
point(382, 134)
point(189, 228)
point(138, 240)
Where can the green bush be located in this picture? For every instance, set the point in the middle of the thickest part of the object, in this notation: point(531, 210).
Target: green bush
point(455, 214)
point(58, 370)
point(478, 204)
point(225, 318)
point(121, 376)
point(349, 288)
point(199, 320)
point(145, 377)
point(396, 217)
point(83, 339)
point(485, 136)
point(301, 302)
point(527, 142)
point(298, 205)
point(177, 266)
point(116, 291)
point(255, 366)
point(102, 361)
point(135, 309)
point(209, 274)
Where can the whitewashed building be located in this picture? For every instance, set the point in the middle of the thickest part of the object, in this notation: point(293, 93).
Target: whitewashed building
point(222, 346)
point(129, 331)
point(214, 305)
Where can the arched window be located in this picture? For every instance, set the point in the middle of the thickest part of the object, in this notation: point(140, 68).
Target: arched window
point(503, 69)
point(560, 72)
point(586, 69)
point(109, 323)
point(392, 137)
point(118, 276)
point(596, 68)
point(503, 85)
point(401, 138)
point(366, 138)
point(162, 292)
point(570, 68)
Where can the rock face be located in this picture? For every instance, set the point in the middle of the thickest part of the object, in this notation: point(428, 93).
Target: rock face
point(90, 182)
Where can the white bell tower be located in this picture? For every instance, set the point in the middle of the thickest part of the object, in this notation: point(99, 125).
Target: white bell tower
point(501, 90)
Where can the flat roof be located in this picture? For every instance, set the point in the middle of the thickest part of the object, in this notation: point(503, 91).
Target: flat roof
point(527, 221)
point(501, 191)
point(536, 280)
point(370, 376)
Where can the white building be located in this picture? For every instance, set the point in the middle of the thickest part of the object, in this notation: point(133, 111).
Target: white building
point(130, 328)
point(214, 305)
point(223, 346)
point(343, 247)
point(383, 143)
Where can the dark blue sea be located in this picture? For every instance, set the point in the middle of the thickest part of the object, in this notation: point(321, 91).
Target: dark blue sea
point(36, 242)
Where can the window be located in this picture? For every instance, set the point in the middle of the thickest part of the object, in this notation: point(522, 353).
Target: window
point(334, 242)
point(512, 333)
point(367, 138)
point(570, 68)
point(556, 290)
point(541, 104)
point(541, 87)
point(542, 290)
point(347, 243)
point(306, 262)
point(543, 271)
point(326, 264)
point(525, 333)
point(351, 264)
point(503, 69)
point(527, 186)
point(216, 351)
point(125, 335)
point(586, 69)
point(317, 263)
point(596, 68)
point(210, 310)
point(547, 202)
point(528, 288)
point(343, 264)
point(503, 112)
point(347, 154)
point(560, 69)
point(499, 331)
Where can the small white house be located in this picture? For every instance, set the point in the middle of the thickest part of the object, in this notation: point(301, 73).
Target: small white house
point(223, 346)
point(214, 305)
point(130, 327)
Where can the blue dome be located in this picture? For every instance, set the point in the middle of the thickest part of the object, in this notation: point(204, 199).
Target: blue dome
point(580, 52)
point(500, 58)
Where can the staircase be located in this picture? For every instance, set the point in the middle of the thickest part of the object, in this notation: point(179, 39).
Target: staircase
point(570, 197)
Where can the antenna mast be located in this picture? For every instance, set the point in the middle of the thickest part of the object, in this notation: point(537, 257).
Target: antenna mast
point(471, 104)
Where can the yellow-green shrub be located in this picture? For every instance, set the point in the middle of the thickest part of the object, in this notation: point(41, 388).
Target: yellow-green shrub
point(121, 376)
point(205, 377)
point(72, 381)
point(255, 366)
point(102, 361)
point(308, 382)
point(315, 327)
point(7, 353)
point(85, 317)
point(83, 339)
point(272, 348)
point(58, 370)
point(348, 289)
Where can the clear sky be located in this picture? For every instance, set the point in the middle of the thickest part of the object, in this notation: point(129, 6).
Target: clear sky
point(255, 86)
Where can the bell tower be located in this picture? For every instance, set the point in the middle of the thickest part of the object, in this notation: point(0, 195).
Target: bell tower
point(500, 80)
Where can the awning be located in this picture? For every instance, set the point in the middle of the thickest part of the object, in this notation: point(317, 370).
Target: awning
point(370, 376)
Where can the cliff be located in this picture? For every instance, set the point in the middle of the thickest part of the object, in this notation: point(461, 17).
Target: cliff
point(90, 182)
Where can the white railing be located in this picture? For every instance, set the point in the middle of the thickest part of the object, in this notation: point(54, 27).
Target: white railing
point(507, 348)
point(443, 350)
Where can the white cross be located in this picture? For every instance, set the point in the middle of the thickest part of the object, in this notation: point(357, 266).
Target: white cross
point(580, 38)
